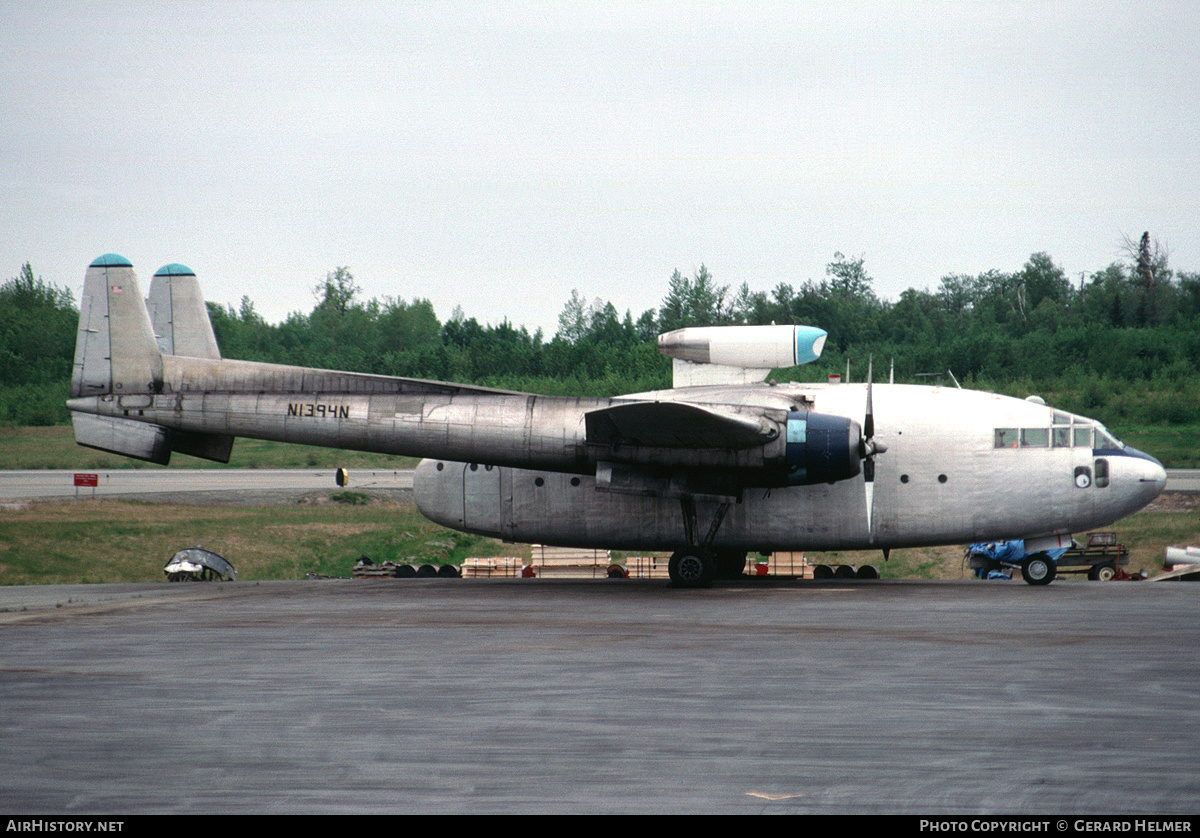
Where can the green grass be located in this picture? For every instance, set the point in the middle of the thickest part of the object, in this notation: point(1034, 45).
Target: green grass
point(911, 563)
point(88, 541)
point(126, 541)
point(1175, 446)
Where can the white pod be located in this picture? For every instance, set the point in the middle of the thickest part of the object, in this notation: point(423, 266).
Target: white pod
point(747, 347)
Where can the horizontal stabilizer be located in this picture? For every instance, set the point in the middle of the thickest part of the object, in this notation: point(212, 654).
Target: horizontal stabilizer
point(144, 441)
point(676, 425)
point(122, 436)
point(208, 446)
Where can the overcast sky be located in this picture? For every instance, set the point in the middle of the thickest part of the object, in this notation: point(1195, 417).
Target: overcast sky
point(498, 155)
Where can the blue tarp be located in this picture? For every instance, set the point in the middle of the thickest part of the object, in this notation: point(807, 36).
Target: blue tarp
point(1011, 552)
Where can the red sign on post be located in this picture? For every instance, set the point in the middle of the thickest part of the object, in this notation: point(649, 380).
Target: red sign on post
point(87, 480)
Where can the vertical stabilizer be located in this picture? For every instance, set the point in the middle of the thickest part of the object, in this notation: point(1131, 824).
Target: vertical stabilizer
point(178, 314)
point(119, 366)
point(115, 352)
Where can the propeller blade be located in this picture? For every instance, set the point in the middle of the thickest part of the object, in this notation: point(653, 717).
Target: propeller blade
point(869, 449)
point(869, 487)
point(869, 422)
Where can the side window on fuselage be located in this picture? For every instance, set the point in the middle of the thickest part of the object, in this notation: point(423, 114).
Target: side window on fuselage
point(1101, 473)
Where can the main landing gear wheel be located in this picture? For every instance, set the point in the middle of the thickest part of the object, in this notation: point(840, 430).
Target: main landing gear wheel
point(731, 564)
point(1038, 569)
point(692, 568)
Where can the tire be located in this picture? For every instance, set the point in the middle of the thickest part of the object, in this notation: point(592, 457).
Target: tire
point(1038, 569)
point(731, 564)
point(692, 568)
point(1103, 572)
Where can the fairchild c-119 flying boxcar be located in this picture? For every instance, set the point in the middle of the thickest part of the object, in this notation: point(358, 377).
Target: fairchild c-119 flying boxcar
point(722, 464)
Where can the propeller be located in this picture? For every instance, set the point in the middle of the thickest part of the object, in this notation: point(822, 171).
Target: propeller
point(867, 449)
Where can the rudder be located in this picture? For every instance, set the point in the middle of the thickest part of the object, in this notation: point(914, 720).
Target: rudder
point(119, 365)
point(115, 351)
point(178, 314)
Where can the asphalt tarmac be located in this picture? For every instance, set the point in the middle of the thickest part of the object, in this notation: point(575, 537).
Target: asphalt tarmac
point(551, 696)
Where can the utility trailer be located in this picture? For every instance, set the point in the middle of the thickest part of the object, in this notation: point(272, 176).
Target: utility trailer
point(1100, 557)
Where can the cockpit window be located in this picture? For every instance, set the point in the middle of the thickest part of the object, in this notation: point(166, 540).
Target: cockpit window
point(1035, 437)
point(1007, 437)
point(1066, 431)
point(1106, 440)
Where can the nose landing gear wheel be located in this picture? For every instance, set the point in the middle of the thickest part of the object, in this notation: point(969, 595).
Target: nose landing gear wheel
point(692, 568)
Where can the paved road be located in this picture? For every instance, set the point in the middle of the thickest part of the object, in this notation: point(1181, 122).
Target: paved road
point(123, 482)
point(608, 696)
point(1183, 480)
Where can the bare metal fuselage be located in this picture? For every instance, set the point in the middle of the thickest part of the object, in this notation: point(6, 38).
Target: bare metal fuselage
point(519, 467)
point(734, 467)
point(942, 480)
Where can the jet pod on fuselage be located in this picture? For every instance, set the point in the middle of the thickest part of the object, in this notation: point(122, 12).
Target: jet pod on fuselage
point(750, 347)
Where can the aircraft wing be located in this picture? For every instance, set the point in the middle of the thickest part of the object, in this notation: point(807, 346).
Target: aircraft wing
point(678, 425)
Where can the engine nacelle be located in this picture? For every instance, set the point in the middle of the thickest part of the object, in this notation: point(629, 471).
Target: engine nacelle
point(746, 347)
point(822, 449)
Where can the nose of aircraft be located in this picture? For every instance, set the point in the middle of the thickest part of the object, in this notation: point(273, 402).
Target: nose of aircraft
point(1150, 473)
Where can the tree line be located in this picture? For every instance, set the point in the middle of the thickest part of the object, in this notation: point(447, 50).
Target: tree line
point(1121, 344)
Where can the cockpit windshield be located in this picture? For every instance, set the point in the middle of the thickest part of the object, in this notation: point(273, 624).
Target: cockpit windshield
point(1066, 431)
point(1104, 439)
